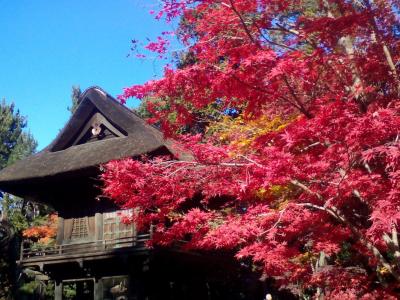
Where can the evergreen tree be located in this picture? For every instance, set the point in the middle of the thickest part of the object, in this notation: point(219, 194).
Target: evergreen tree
point(15, 144)
point(75, 94)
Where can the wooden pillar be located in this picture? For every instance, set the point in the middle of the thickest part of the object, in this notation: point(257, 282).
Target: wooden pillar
point(60, 230)
point(98, 230)
point(79, 289)
point(98, 289)
point(58, 290)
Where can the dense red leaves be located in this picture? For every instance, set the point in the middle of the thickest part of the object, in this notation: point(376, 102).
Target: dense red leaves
point(327, 184)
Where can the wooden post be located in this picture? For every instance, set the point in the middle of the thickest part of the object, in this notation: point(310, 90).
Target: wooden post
point(60, 230)
point(21, 255)
point(79, 289)
point(151, 231)
point(98, 230)
point(58, 290)
point(98, 289)
point(134, 233)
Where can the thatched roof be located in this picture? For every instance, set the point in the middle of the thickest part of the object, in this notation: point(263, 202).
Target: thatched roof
point(74, 149)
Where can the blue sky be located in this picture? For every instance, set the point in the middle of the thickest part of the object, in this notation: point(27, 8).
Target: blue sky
point(48, 46)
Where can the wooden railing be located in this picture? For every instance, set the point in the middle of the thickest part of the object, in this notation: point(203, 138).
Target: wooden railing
point(138, 241)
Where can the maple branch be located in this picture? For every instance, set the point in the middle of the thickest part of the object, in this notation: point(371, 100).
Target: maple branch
point(271, 41)
point(377, 36)
point(252, 161)
point(296, 98)
point(393, 243)
point(176, 171)
point(297, 104)
point(333, 211)
point(337, 73)
point(311, 146)
point(195, 163)
point(297, 33)
point(256, 88)
point(246, 29)
point(338, 215)
point(347, 45)
point(259, 89)
point(305, 188)
point(358, 195)
point(276, 223)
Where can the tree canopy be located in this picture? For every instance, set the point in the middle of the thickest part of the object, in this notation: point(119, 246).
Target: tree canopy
point(15, 143)
point(303, 180)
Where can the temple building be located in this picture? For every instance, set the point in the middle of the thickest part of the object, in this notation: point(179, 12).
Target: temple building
point(103, 257)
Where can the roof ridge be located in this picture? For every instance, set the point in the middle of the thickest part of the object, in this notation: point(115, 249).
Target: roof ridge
point(106, 94)
point(132, 111)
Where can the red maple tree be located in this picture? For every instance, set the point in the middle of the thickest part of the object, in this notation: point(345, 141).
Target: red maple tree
point(43, 234)
point(313, 202)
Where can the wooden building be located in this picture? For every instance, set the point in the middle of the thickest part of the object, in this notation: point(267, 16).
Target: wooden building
point(104, 258)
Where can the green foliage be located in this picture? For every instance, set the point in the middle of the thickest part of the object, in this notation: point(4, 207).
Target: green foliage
point(142, 110)
point(15, 143)
point(184, 58)
point(17, 218)
point(25, 146)
point(69, 291)
point(75, 94)
point(39, 288)
point(7, 259)
point(345, 254)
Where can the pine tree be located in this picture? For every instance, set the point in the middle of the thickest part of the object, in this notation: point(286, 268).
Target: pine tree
point(75, 94)
point(15, 144)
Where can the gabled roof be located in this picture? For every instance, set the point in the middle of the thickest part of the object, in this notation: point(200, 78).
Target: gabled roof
point(76, 146)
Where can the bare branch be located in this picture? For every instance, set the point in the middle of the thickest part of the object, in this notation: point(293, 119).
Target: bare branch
point(305, 188)
point(246, 29)
point(276, 223)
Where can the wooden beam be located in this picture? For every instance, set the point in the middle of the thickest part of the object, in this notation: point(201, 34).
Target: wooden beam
point(58, 290)
point(99, 119)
